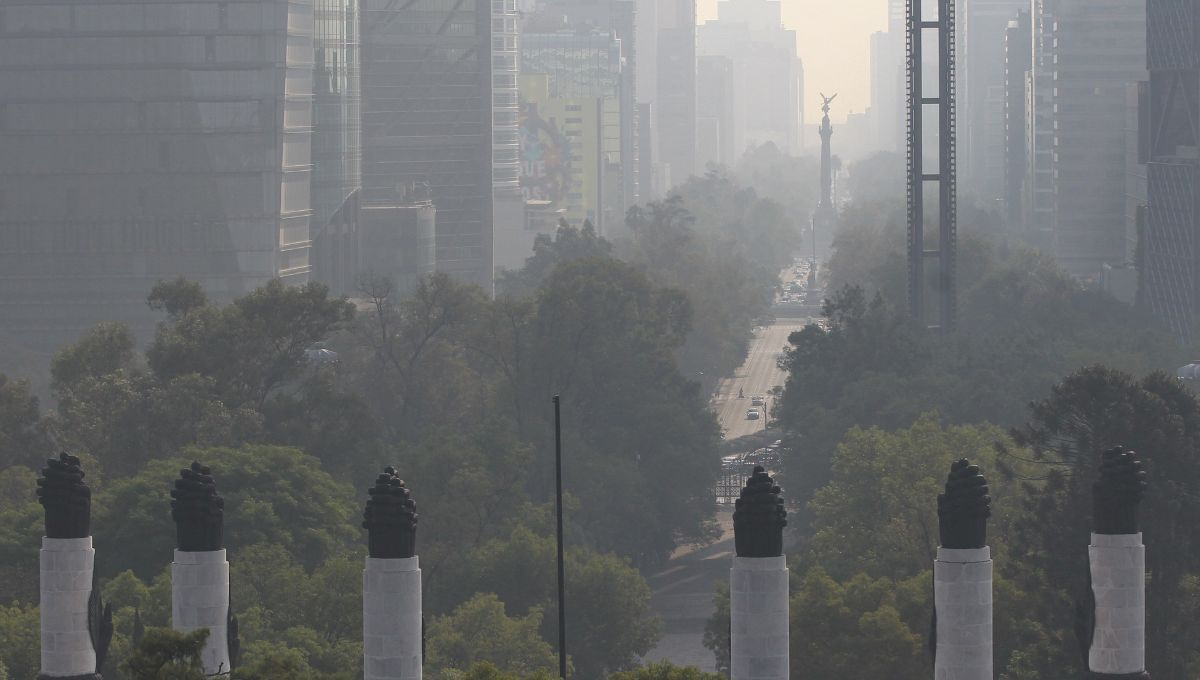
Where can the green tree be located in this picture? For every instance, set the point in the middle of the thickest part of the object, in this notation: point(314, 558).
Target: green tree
point(665, 670)
point(609, 600)
point(1091, 410)
point(105, 349)
point(177, 298)
point(834, 623)
point(605, 338)
point(165, 654)
point(21, 530)
point(23, 436)
point(792, 181)
point(114, 412)
point(274, 662)
point(250, 348)
point(878, 514)
point(484, 670)
point(567, 244)
point(409, 364)
point(479, 630)
point(272, 494)
point(20, 646)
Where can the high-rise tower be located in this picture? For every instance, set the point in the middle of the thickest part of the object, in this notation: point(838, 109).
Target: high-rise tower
point(1170, 244)
point(427, 118)
point(148, 140)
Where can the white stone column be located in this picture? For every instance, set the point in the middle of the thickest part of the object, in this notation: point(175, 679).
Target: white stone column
point(962, 595)
point(66, 586)
point(758, 618)
point(392, 619)
point(1118, 564)
point(200, 599)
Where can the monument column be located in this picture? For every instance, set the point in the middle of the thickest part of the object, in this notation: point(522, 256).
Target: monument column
point(962, 578)
point(392, 625)
point(758, 584)
point(200, 574)
point(75, 627)
point(1116, 647)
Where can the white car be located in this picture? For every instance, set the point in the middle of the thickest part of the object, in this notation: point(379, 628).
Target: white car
point(753, 414)
point(757, 400)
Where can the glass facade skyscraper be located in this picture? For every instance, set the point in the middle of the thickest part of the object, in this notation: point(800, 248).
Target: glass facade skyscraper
point(337, 143)
point(146, 140)
point(427, 118)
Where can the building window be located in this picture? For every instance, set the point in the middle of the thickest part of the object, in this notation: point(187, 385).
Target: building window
point(164, 155)
point(71, 202)
point(223, 15)
point(210, 48)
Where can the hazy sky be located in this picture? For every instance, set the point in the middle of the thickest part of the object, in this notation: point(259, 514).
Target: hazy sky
point(833, 38)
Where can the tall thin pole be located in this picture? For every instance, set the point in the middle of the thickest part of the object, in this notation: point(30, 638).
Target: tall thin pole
point(558, 511)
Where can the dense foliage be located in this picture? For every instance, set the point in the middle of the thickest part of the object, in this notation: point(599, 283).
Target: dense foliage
point(876, 407)
point(296, 400)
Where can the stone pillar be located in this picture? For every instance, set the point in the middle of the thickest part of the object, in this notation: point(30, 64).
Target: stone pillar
point(200, 599)
point(962, 578)
point(1117, 648)
point(393, 645)
point(199, 573)
point(758, 584)
point(75, 628)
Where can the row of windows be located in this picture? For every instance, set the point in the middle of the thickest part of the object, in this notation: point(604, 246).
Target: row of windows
point(137, 51)
point(104, 84)
point(119, 116)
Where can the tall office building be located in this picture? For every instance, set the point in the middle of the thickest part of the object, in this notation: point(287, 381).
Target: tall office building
point(675, 95)
point(1099, 49)
point(508, 205)
point(887, 90)
point(427, 118)
point(768, 75)
point(888, 109)
point(1037, 187)
point(1091, 50)
point(1171, 239)
point(336, 144)
point(716, 99)
point(146, 140)
point(1018, 57)
point(620, 19)
point(981, 69)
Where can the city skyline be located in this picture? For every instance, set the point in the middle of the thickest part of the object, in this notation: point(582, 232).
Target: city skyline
point(833, 41)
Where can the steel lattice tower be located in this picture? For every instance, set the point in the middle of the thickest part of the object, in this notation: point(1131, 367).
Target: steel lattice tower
point(945, 252)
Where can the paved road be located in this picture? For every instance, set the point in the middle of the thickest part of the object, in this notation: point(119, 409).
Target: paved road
point(757, 376)
point(682, 592)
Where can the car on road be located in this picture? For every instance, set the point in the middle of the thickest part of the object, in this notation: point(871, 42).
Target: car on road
point(757, 400)
point(753, 414)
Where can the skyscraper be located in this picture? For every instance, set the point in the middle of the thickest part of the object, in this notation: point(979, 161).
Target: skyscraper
point(716, 98)
point(336, 144)
point(427, 118)
point(1091, 50)
point(1018, 56)
point(887, 90)
point(146, 140)
point(675, 96)
point(981, 68)
point(768, 75)
point(1171, 242)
